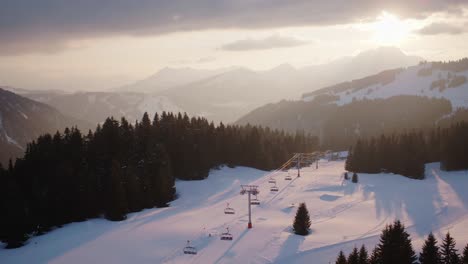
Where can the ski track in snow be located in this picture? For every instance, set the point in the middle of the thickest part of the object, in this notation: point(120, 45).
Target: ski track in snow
point(343, 215)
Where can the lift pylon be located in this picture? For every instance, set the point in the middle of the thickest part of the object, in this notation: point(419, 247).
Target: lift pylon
point(249, 190)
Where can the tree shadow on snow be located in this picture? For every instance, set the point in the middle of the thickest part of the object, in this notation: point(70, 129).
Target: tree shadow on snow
point(456, 180)
point(291, 245)
point(61, 241)
point(396, 196)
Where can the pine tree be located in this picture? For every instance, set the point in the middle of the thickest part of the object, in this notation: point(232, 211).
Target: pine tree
point(117, 203)
point(374, 257)
point(395, 246)
point(349, 160)
point(302, 221)
point(430, 251)
point(16, 220)
point(341, 259)
point(448, 252)
point(363, 255)
point(353, 257)
point(355, 178)
point(464, 259)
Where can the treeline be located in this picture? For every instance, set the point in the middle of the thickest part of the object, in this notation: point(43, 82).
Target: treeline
point(122, 168)
point(456, 65)
point(395, 246)
point(407, 153)
point(340, 126)
point(371, 118)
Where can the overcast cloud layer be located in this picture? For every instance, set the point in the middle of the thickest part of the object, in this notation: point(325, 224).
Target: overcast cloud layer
point(261, 44)
point(47, 25)
point(442, 28)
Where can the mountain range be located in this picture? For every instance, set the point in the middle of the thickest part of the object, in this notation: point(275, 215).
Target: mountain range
point(417, 97)
point(22, 120)
point(224, 94)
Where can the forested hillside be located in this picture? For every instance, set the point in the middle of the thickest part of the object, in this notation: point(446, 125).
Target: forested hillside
point(340, 126)
point(407, 153)
point(123, 168)
point(22, 120)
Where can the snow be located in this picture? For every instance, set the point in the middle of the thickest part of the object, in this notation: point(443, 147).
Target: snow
point(408, 82)
point(155, 103)
point(23, 114)
point(343, 215)
point(5, 135)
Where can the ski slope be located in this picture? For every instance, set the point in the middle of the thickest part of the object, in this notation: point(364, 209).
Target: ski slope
point(343, 215)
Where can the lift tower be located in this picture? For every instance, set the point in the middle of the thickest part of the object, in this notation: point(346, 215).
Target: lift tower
point(249, 190)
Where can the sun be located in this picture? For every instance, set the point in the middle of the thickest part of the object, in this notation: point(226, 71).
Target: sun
point(390, 30)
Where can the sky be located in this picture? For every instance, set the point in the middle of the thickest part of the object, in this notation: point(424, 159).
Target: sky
point(98, 45)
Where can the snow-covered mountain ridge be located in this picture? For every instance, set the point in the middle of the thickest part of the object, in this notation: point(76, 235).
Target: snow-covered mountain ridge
point(421, 80)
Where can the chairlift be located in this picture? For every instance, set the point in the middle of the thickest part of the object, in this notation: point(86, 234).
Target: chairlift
point(271, 180)
point(226, 235)
point(229, 210)
point(288, 177)
point(274, 188)
point(254, 201)
point(189, 249)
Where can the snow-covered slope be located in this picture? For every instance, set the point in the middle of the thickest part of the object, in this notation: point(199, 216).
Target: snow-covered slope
point(343, 215)
point(418, 80)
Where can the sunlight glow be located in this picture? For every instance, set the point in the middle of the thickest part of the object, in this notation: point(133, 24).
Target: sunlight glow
point(390, 30)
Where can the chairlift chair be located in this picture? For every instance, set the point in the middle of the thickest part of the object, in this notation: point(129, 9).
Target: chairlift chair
point(189, 249)
point(229, 210)
point(254, 201)
point(226, 235)
point(274, 188)
point(288, 177)
point(271, 180)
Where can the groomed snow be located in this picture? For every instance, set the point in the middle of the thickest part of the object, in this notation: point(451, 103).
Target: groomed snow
point(343, 215)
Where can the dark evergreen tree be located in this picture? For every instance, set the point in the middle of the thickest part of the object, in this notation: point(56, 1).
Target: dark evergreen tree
point(464, 258)
point(301, 223)
point(353, 257)
point(116, 206)
point(355, 178)
point(15, 224)
point(374, 257)
point(448, 252)
point(363, 255)
point(395, 246)
point(341, 259)
point(430, 251)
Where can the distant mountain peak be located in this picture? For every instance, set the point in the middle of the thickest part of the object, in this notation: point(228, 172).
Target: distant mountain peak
point(284, 67)
point(386, 52)
point(382, 50)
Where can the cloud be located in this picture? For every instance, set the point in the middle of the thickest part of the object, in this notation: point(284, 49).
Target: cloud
point(54, 23)
point(205, 60)
point(262, 44)
point(441, 28)
point(201, 60)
